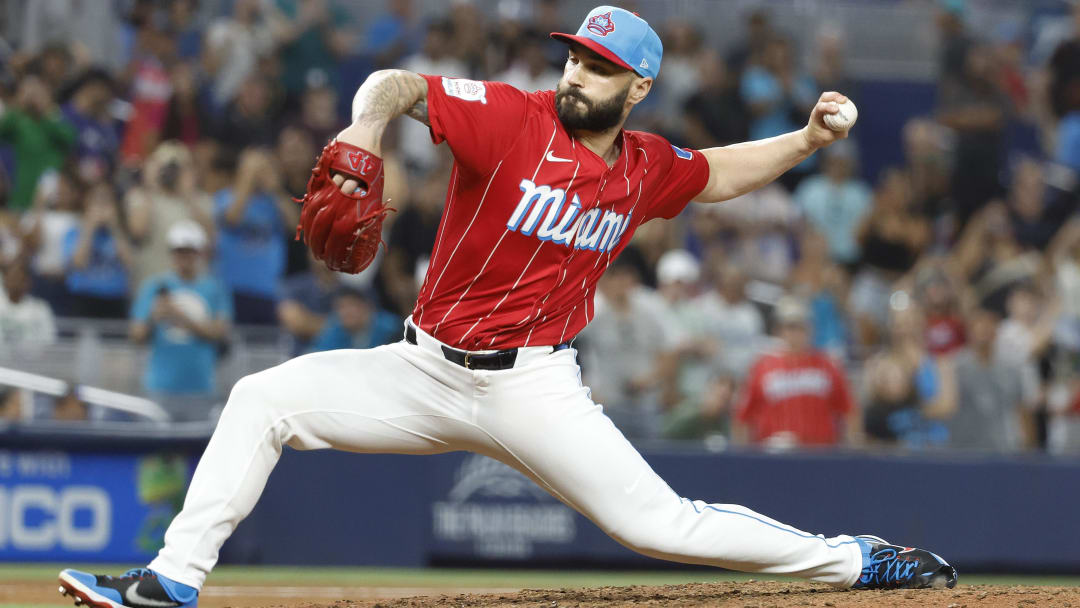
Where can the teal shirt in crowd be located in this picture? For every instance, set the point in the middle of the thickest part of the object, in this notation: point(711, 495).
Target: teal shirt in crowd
point(181, 362)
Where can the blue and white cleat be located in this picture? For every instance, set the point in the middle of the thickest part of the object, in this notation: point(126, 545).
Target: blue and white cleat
point(138, 588)
point(887, 566)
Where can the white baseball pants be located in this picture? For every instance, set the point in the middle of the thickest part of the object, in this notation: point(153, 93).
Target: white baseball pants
point(536, 417)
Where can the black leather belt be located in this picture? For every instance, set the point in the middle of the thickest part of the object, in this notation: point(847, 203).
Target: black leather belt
point(503, 359)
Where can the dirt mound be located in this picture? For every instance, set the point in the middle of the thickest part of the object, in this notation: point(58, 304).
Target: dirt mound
point(739, 595)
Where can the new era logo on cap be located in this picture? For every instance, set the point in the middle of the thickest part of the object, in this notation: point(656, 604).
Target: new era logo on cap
point(621, 37)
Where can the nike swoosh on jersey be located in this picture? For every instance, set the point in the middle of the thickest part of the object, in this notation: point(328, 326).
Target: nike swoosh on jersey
point(555, 159)
point(132, 595)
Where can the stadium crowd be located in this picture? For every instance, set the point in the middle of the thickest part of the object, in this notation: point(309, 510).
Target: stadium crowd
point(150, 161)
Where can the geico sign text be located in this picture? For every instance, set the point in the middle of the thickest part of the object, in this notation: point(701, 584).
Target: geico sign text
point(54, 521)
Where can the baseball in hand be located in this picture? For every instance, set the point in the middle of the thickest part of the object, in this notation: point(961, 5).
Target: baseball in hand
point(844, 119)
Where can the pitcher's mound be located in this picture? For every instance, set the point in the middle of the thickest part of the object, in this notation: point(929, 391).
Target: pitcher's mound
point(751, 594)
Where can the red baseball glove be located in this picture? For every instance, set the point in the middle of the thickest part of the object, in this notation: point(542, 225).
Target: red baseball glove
point(344, 230)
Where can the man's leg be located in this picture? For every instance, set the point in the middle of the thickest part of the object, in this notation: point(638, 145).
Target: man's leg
point(549, 428)
point(389, 399)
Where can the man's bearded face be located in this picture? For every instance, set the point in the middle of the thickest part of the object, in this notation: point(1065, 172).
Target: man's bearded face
point(578, 112)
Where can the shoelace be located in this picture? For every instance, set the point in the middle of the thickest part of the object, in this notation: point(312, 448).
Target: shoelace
point(885, 568)
point(137, 573)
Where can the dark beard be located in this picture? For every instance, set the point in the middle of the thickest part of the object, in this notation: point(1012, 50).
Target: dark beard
point(597, 116)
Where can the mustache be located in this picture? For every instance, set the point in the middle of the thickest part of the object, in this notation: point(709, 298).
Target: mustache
point(575, 94)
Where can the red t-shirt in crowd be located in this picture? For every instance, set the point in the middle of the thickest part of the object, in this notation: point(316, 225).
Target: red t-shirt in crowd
point(945, 334)
point(532, 217)
point(803, 394)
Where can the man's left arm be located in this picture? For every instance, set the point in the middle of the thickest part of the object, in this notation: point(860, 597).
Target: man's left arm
point(740, 168)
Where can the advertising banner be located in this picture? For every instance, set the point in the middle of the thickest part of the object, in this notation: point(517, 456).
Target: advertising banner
point(61, 506)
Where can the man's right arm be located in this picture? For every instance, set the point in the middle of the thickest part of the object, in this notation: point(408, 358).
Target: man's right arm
point(386, 94)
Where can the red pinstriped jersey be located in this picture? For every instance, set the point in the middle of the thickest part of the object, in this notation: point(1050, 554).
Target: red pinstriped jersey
point(532, 216)
point(804, 394)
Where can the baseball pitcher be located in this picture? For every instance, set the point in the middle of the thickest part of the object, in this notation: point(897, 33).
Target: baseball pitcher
point(546, 190)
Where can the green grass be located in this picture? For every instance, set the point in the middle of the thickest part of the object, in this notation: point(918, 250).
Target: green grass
point(439, 577)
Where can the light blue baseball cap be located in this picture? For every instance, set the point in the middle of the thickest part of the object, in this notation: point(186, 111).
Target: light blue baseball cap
point(621, 37)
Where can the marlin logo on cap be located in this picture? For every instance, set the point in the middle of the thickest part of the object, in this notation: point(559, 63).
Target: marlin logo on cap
point(601, 25)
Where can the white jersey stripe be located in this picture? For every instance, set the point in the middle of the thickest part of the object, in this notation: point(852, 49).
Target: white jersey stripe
point(565, 325)
point(438, 243)
point(464, 234)
point(554, 130)
point(505, 295)
point(473, 282)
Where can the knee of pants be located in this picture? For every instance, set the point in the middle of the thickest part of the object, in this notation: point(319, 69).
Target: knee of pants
point(251, 398)
point(644, 535)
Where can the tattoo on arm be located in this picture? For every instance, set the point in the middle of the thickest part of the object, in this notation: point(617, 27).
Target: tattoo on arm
point(387, 94)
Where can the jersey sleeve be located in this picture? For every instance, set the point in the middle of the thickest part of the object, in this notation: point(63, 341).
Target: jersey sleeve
point(479, 120)
point(680, 175)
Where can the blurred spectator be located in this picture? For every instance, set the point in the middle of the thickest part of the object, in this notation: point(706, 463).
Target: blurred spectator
point(1024, 336)
point(780, 97)
point(433, 58)
point(1064, 67)
point(891, 237)
point(529, 69)
point(98, 258)
point(151, 88)
point(835, 201)
point(906, 391)
point(234, 45)
point(410, 242)
point(989, 258)
point(1033, 221)
point(390, 35)
point(691, 361)
point(990, 393)
point(795, 396)
point(253, 217)
point(69, 408)
point(707, 419)
point(829, 67)
point(90, 28)
point(758, 33)
point(714, 114)
point(973, 107)
point(186, 28)
point(297, 151)
point(760, 237)
point(311, 35)
point(732, 319)
point(927, 165)
point(97, 139)
point(166, 194)
point(184, 314)
point(682, 53)
point(824, 285)
point(307, 299)
point(357, 322)
point(466, 20)
point(318, 114)
point(620, 349)
point(251, 118)
point(41, 139)
point(188, 118)
point(56, 211)
point(955, 41)
point(24, 320)
point(945, 325)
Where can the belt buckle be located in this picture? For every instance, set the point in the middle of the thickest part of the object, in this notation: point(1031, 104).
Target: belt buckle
point(468, 360)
